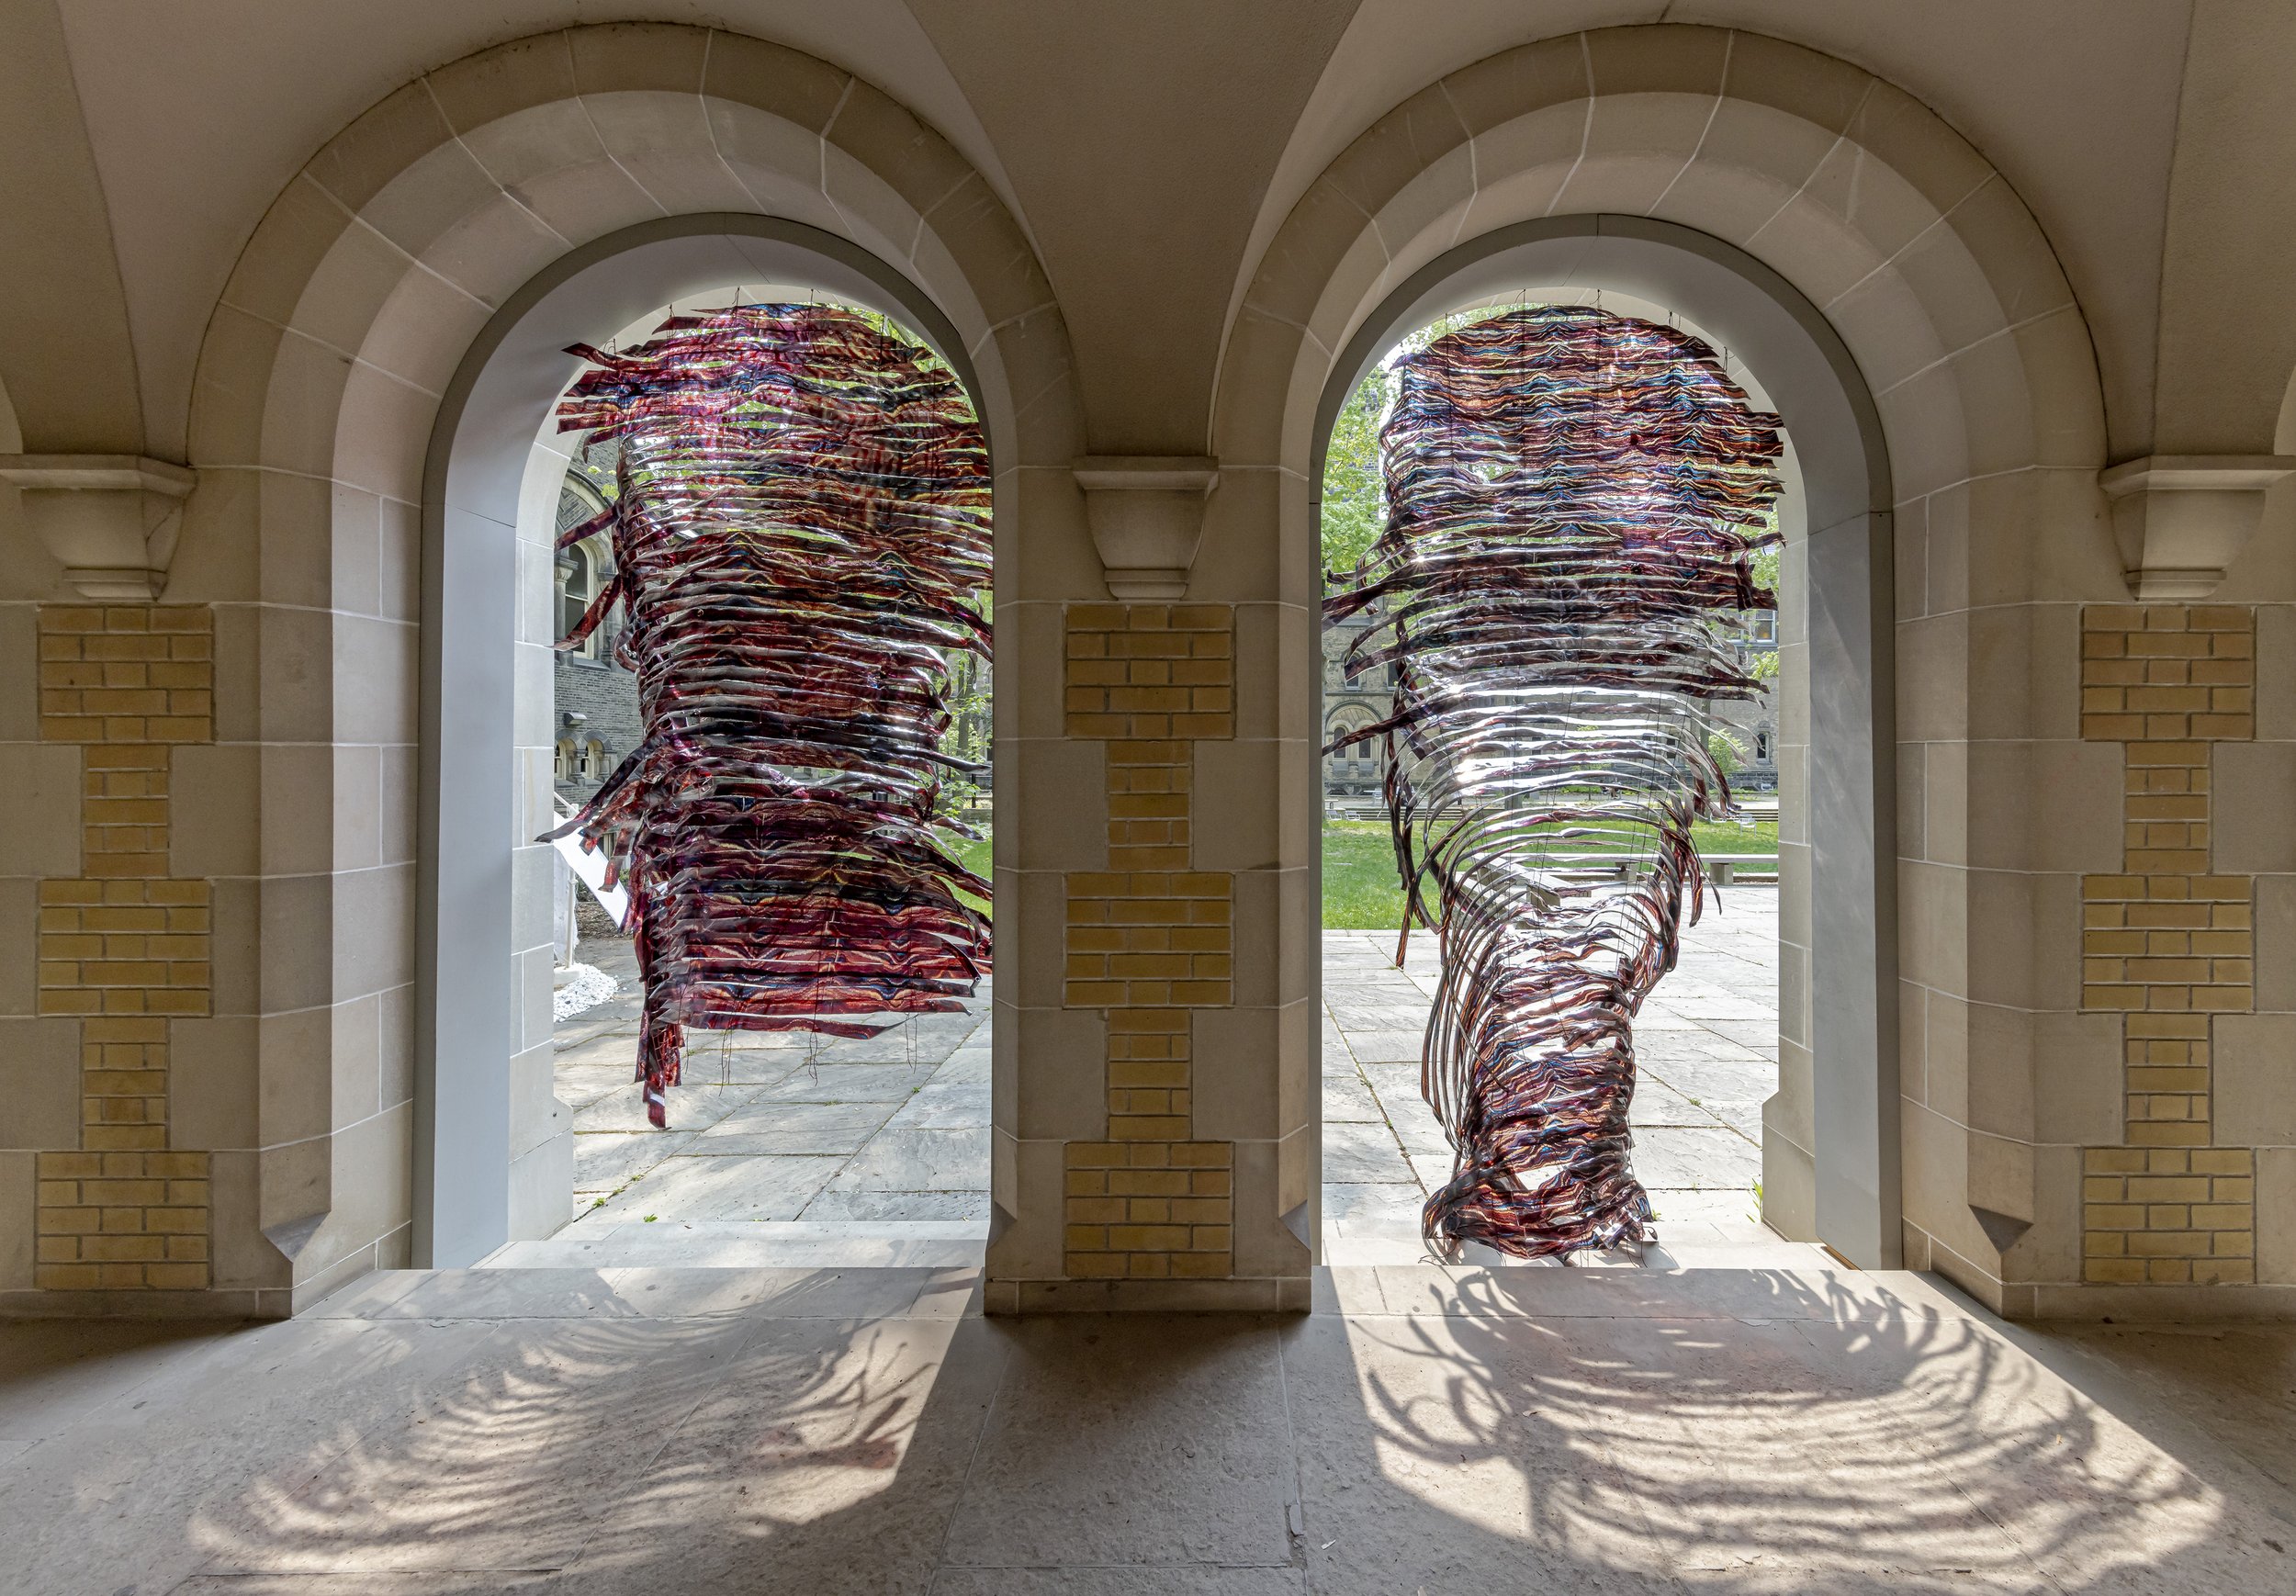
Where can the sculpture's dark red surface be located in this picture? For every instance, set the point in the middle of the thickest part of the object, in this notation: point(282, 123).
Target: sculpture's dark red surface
point(1573, 498)
point(800, 537)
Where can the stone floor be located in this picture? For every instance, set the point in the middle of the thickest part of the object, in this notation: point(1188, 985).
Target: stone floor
point(785, 1150)
point(1450, 1432)
point(782, 1149)
point(1707, 1047)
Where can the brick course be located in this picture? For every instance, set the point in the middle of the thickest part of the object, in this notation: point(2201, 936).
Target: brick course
point(1150, 940)
point(2166, 944)
point(124, 947)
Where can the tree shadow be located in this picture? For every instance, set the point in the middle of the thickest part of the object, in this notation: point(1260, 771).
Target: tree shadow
point(658, 1431)
point(1763, 1431)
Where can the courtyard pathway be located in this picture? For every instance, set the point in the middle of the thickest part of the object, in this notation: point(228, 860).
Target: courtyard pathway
point(1707, 1047)
point(786, 1150)
point(783, 1149)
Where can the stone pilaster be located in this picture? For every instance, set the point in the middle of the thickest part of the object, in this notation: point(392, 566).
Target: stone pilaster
point(1150, 940)
point(124, 947)
point(2167, 945)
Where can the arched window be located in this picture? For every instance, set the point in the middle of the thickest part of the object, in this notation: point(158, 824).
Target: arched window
point(1761, 746)
point(562, 761)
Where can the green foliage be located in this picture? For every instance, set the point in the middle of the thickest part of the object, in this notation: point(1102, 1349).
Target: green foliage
point(972, 852)
point(1727, 752)
point(1354, 496)
point(967, 736)
point(1354, 489)
point(1361, 892)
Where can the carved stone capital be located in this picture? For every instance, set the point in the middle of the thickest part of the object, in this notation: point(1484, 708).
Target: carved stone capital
point(111, 519)
point(2180, 520)
point(1147, 516)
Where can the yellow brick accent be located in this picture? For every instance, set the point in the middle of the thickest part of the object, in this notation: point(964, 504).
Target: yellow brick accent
point(2165, 944)
point(125, 946)
point(2171, 1216)
point(1150, 940)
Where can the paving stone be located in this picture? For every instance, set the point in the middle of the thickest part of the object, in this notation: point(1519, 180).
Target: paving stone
point(847, 1084)
point(943, 1105)
point(605, 1159)
point(1390, 1208)
point(691, 1107)
point(1397, 1087)
point(1656, 1103)
point(811, 1128)
point(1387, 1047)
point(968, 1065)
point(760, 1186)
point(1348, 1097)
point(866, 1207)
point(1362, 1153)
point(912, 1160)
point(1695, 1159)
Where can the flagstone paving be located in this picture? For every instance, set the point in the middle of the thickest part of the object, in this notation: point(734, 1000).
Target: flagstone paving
point(789, 1148)
point(1707, 1051)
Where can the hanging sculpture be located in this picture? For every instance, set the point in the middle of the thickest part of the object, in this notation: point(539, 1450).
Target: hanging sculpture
point(1573, 498)
point(800, 534)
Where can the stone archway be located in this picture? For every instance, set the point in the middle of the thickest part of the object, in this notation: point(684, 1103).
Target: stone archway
point(1940, 292)
point(320, 380)
point(480, 894)
point(1840, 1182)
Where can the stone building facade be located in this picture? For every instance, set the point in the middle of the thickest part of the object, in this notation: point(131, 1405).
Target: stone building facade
point(593, 698)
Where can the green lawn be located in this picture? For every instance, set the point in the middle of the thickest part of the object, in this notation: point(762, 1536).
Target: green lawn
point(1360, 892)
point(1360, 889)
point(972, 853)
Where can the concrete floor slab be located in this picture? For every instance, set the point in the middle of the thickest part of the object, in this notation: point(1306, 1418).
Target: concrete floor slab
point(584, 1431)
point(1125, 1440)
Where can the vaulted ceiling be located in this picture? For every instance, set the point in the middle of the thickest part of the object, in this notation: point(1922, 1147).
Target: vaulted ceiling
point(1149, 148)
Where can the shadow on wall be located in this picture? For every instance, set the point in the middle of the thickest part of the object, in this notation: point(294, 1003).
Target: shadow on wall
point(651, 1431)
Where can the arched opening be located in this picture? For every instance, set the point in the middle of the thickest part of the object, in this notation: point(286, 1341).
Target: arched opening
point(493, 1149)
point(1830, 1137)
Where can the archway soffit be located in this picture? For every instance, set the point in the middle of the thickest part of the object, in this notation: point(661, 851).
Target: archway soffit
point(1820, 177)
point(678, 127)
point(1511, 255)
